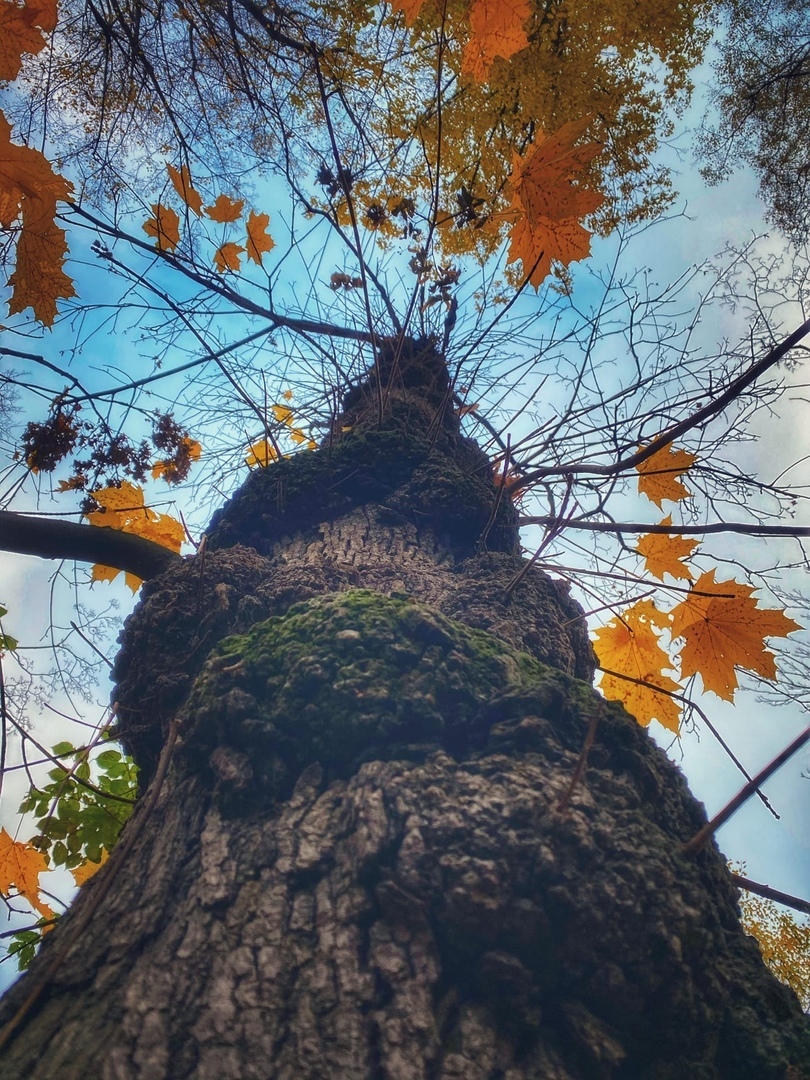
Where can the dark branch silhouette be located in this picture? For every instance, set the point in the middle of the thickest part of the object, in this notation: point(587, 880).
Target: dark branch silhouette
point(85, 543)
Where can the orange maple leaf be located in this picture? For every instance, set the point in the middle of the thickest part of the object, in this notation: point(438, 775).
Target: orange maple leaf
point(663, 553)
point(87, 869)
point(227, 257)
point(29, 186)
point(546, 205)
point(164, 226)
point(123, 508)
point(258, 239)
point(723, 629)
point(283, 414)
point(19, 33)
point(38, 280)
point(410, 8)
point(20, 867)
point(658, 475)
point(225, 209)
point(629, 646)
point(496, 29)
point(181, 179)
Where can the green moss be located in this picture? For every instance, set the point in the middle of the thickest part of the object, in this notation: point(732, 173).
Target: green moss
point(350, 677)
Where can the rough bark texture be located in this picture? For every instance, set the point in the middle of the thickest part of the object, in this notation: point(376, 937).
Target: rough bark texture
point(357, 866)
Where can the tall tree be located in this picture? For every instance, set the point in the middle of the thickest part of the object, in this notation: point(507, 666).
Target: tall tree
point(760, 107)
point(386, 825)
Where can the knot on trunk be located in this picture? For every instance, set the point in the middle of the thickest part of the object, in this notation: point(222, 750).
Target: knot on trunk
point(347, 678)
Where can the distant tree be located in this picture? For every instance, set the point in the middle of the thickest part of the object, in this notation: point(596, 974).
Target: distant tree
point(760, 107)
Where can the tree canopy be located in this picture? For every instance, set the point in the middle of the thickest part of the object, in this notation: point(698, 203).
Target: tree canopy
point(761, 104)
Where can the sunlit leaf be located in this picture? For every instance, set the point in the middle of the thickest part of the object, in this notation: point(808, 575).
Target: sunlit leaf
point(20, 867)
point(227, 257)
point(664, 553)
point(724, 629)
point(282, 414)
point(547, 207)
point(629, 646)
point(225, 209)
point(496, 29)
point(258, 239)
point(261, 453)
point(88, 869)
point(181, 179)
point(20, 32)
point(29, 187)
point(658, 475)
point(164, 227)
point(123, 508)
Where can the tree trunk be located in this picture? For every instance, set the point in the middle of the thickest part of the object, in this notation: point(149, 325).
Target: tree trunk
point(356, 863)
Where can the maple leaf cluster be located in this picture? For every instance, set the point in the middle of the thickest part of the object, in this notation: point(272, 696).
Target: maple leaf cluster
point(266, 450)
point(108, 456)
point(715, 630)
point(164, 225)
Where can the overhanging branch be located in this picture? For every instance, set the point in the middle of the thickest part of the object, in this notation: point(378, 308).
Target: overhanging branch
point(745, 528)
point(49, 539)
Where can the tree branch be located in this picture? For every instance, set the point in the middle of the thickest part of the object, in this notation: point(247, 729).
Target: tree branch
point(697, 419)
point(771, 894)
point(744, 527)
point(85, 543)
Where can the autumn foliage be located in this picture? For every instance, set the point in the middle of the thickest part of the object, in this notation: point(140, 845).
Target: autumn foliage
point(716, 629)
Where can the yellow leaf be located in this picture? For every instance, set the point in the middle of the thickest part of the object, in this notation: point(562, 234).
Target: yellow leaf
point(104, 573)
point(723, 629)
point(175, 470)
point(124, 509)
point(227, 257)
point(261, 453)
point(658, 475)
point(258, 239)
point(663, 553)
point(87, 869)
point(164, 226)
point(181, 179)
point(20, 866)
point(118, 503)
point(496, 29)
point(225, 209)
point(132, 582)
point(287, 395)
point(282, 414)
point(629, 646)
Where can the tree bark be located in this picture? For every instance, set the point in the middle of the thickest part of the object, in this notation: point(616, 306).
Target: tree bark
point(357, 865)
